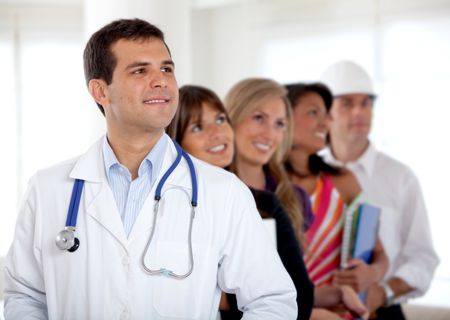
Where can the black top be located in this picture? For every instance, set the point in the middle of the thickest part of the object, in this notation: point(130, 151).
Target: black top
point(290, 253)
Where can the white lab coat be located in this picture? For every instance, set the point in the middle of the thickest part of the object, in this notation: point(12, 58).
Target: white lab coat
point(104, 278)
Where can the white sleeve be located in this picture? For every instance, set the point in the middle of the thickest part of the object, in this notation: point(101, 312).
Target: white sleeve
point(24, 286)
point(251, 267)
point(417, 258)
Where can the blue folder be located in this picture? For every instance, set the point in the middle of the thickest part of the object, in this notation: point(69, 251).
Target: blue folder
point(366, 235)
point(366, 232)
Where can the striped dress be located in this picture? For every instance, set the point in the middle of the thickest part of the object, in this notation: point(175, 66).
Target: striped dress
point(324, 237)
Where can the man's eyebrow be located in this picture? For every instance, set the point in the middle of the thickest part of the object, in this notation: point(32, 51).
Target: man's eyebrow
point(168, 62)
point(137, 64)
point(144, 64)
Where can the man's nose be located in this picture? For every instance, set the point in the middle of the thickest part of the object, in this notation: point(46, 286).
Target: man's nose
point(158, 80)
point(358, 109)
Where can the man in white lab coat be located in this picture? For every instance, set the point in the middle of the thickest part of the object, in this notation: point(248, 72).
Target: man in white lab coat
point(404, 227)
point(130, 75)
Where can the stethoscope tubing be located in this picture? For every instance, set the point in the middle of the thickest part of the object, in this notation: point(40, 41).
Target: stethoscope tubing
point(72, 215)
point(71, 220)
point(163, 271)
point(193, 178)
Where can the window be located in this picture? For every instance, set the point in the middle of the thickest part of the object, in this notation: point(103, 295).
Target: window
point(8, 135)
point(47, 114)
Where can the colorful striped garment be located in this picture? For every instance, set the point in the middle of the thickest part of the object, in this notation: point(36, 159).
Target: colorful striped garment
point(324, 238)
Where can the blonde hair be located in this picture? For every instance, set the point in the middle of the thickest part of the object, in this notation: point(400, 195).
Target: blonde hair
point(242, 99)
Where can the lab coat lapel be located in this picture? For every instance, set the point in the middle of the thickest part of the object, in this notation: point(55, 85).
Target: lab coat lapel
point(103, 209)
point(179, 177)
point(100, 203)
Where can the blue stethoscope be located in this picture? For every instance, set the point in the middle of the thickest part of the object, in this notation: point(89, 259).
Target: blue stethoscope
point(66, 240)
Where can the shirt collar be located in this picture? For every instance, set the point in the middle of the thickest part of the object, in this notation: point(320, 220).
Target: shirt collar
point(328, 157)
point(366, 161)
point(153, 161)
point(109, 157)
point(156, 156)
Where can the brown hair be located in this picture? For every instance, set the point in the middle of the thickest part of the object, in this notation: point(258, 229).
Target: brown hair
point(190, 103)
point(99, 61)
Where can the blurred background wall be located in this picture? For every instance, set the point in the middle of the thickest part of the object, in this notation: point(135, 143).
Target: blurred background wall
point(48, 116)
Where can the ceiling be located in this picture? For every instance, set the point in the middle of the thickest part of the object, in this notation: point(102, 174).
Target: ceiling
point(34, 2)
point(200, 4)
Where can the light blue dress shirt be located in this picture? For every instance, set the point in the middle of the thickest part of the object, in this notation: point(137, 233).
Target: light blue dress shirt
point(130, 195)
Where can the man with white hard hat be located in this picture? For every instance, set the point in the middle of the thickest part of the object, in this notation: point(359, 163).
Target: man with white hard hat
point(404, 227)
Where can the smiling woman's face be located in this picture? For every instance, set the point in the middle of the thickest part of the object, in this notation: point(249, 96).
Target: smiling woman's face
point(211, 138)
point(261, 132)
point(311, 121)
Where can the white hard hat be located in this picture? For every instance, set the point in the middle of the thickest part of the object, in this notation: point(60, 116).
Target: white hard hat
point(346, 77)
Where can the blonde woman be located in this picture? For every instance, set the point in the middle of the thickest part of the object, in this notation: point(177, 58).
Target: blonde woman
point(201, 126)
point(260, 114)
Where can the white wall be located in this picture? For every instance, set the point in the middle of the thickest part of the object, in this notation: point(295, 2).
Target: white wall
point(240, 31)
point(404, 44)
point(44, 97)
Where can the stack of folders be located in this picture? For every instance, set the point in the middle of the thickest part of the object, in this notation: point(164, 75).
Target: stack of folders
point(360, 234)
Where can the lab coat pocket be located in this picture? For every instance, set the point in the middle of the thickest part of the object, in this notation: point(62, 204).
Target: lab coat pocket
point(187, 298)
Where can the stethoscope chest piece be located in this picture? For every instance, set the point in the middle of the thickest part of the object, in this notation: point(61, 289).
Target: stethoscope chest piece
point(66, 240)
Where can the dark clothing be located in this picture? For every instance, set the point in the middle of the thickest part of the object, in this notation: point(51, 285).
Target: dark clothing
point(290, 254)
point(394, 312)
point(303, 198)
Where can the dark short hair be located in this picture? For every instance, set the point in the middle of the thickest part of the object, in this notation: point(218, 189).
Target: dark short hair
point(298, 90)
point(99, 61)
point(190, 103)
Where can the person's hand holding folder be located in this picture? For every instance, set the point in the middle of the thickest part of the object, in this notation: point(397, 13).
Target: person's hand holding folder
point(363, 260)
point(358, 275)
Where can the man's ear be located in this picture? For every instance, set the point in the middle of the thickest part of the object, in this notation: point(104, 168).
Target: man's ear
point(99, 91)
